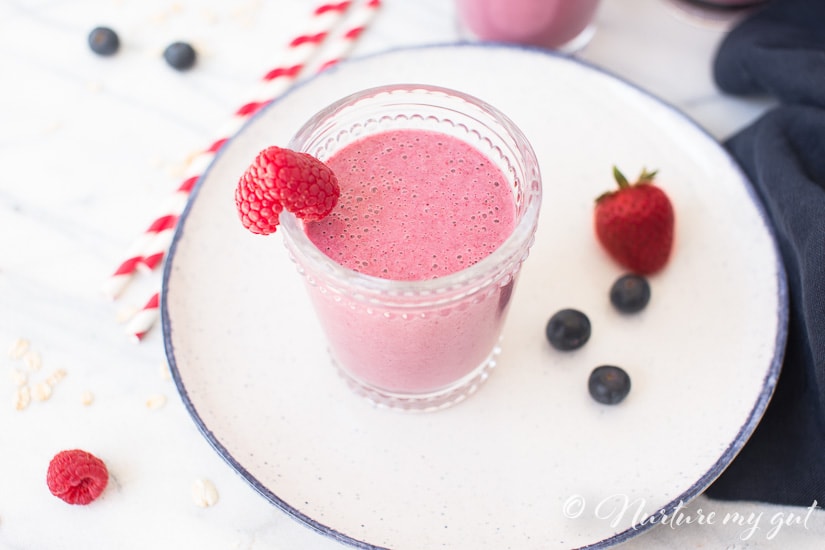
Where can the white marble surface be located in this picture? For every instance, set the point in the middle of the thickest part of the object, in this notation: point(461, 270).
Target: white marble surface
point(89, 149)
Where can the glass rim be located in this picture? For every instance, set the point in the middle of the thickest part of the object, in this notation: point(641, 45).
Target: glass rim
point(480, 274)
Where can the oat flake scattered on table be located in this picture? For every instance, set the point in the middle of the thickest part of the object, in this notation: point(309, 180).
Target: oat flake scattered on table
point(56, 377)
point(33, 360)
point(87, 398)
point(18, 377)
point(164, 371)
point(204, 493)
point(28, 390)
point(41, 391)
point(156, 401)
point(22, 398)
point(18, 348)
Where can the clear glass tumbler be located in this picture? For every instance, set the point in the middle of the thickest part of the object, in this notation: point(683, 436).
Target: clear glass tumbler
point(421, 344)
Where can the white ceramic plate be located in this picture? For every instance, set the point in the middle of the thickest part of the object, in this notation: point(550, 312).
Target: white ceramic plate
point(530, 461)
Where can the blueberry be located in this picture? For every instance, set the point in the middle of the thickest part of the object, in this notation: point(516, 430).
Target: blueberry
point(180, 55)
point(609, 384)
point(104, 41)
point(630, 293)
point(568, 329)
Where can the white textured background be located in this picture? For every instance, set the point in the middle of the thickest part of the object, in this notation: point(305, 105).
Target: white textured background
point(89, 147)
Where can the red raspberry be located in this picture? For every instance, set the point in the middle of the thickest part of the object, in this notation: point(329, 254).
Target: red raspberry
point(281, 178)
point(76, 476)
point(258, 212)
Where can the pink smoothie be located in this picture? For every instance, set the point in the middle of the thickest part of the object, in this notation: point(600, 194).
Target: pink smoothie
point(544, 23)
point(414, 205)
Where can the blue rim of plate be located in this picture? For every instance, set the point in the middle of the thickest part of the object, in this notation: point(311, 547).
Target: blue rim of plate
point(769, 382)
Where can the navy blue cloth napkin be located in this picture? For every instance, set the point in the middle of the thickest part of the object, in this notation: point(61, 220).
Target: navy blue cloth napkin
point(780, 51)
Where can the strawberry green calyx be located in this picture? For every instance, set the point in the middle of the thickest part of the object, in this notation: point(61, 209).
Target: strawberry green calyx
point(644, 178)
point(620, 179)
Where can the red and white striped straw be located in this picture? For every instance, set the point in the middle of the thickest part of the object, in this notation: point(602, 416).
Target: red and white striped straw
point(341, 46)
point(149, 249)
point(337, 48)
point(145, 319)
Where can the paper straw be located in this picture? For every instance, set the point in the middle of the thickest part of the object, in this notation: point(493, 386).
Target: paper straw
point(340, 46)
point(147, 251)
point(145, 319)
point(337, 48)
point(118, 281)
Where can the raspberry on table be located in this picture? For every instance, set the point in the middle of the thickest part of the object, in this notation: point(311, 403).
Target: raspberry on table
point(76, 476)
point(281, 179)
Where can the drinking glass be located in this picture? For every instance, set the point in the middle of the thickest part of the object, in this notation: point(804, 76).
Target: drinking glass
point(417, 344)
point(564, 25)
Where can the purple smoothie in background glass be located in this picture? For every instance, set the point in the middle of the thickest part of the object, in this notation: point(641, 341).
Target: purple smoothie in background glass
point(726, 3)
point(555, 24)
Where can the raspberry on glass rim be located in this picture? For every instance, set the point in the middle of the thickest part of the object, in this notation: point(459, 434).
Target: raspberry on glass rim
point(281, 179)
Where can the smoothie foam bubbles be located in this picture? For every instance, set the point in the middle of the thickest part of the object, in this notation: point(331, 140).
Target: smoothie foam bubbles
point(415, 204)
point(413, 313)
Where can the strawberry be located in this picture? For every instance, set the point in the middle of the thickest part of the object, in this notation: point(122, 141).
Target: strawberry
point(635, 223)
